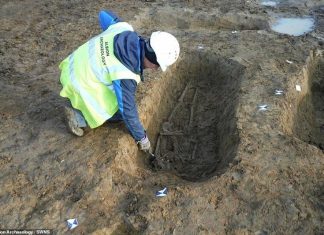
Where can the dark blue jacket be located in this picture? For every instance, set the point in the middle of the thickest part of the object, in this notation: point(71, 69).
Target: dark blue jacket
point(129, 50)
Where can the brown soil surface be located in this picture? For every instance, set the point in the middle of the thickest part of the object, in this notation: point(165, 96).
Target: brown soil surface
point(230, 168)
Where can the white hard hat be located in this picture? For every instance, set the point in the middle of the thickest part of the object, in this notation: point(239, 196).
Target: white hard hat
point(166, 48)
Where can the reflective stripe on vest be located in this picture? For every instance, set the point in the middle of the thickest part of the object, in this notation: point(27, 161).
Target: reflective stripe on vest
point(87, 76)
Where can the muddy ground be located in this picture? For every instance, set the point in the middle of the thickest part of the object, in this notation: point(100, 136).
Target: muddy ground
point(230, 168)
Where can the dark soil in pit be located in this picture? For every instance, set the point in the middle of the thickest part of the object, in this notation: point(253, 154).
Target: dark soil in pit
point(200, 138)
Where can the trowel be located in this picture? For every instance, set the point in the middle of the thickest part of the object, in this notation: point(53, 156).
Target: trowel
point(151, 158)
point(151, 155)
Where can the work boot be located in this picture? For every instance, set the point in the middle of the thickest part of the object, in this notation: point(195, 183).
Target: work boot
point(75, 121)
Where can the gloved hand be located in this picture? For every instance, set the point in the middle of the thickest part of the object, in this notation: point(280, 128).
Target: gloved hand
point(144, 144)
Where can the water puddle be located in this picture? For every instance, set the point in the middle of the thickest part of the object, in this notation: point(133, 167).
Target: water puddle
point(293, 26)
point(268, 3)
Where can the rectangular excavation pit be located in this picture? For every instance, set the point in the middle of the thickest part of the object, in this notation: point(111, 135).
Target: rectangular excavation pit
point(197, 134)
point(190, 20)
point(306, 121)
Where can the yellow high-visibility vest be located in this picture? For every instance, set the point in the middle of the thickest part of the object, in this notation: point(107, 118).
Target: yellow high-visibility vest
point(87, 75)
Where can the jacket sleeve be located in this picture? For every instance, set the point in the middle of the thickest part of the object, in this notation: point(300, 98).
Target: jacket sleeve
point(125, 90)
point(107, 18)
